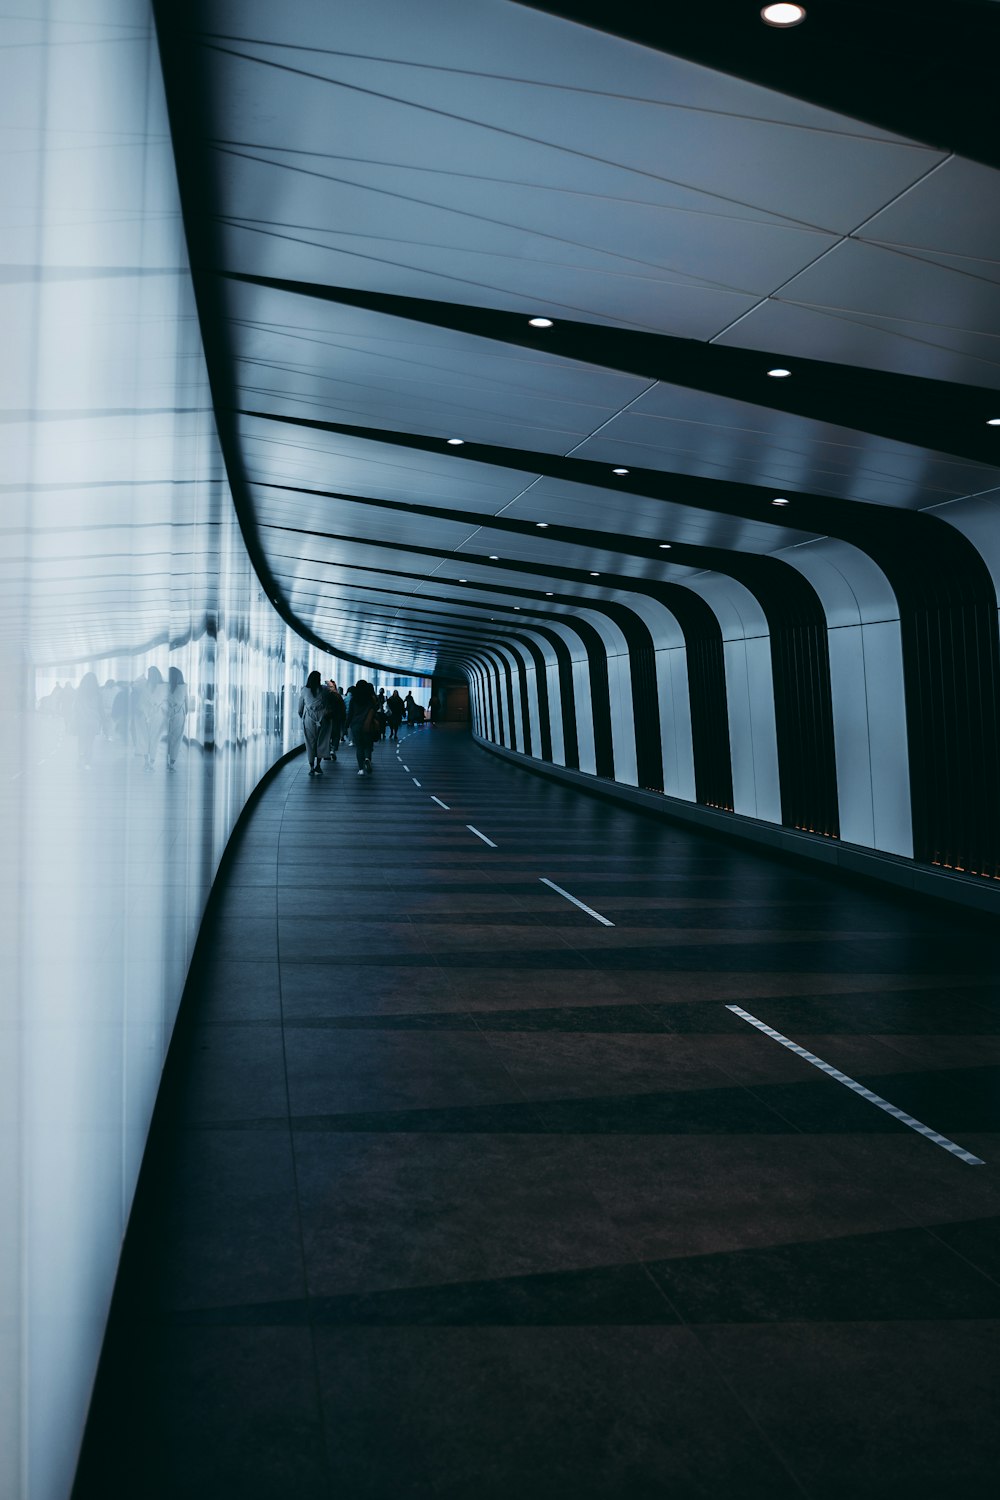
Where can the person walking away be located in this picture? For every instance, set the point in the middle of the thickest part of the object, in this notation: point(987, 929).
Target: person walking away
point(362, 724)
point(314, 712)
point(394, 709)
point(177, 707)
point(338, 717)
point(88, 718)
point(151, 714)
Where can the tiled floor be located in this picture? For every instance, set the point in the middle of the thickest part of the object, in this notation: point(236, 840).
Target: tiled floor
point(458, 1193)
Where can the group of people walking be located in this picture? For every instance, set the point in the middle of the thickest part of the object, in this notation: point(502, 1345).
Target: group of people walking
point(360, 716)
point(145, 711)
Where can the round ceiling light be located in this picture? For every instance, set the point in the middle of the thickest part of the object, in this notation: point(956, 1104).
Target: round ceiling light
point(619, 471)
point(456, 442)
point(548, 594)
point(595, 575)
point(993, 421)
point(778, 374)
point(493, 557)
point(540, 322)
point(665, 546)
point(779, 501)
point(783, 15)
point(542, 525)
point(463, 580)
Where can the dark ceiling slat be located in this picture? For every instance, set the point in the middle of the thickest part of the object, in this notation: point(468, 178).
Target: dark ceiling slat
point(936, 414)
point(927, 71)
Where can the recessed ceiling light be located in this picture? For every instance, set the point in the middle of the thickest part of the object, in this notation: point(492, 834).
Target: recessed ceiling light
point(595, 575)
point(548, 594)
point(779, 501)
point(778, 374)
point(493, 557)
point(619, 471)
point(540, 322)
point(517, 606)
point(993, 421)
point(463, 580)
point(783, 15)
point(542, 525)
point(665, 546)
point(456, 442)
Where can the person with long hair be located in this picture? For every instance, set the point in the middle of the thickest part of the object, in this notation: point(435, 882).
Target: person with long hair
point(362, 724)
point(314, 711)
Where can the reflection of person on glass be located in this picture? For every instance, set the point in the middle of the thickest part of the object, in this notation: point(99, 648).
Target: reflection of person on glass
point(151, 709)
point(314, 711)
point(88, 717)
point(176, 710)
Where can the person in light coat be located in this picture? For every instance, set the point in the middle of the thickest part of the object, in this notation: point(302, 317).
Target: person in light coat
point(314, 711)
point(150, 716)
point(176, 712)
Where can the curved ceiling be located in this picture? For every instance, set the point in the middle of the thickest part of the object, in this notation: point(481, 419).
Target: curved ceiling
point(378, 198)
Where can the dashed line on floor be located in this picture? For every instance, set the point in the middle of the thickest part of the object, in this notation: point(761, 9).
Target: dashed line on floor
point(481, 836)
point(406, 768)
point(440, 803)
point(859, 1088)
point(415, 781)
point(605, 921)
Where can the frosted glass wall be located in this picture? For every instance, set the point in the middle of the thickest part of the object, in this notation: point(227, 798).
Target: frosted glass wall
point(145, 683)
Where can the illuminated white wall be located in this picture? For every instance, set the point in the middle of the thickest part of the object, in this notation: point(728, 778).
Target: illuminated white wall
point(120, 553)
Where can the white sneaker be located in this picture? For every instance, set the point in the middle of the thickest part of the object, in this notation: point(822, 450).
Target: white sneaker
point(361, 773)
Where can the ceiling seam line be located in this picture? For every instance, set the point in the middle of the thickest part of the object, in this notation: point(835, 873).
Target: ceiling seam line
point(841, 240)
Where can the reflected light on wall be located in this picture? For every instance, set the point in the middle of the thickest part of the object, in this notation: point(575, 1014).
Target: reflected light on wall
point(146, 686)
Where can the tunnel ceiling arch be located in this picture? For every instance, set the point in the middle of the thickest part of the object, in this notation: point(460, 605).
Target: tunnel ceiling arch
point(378, 199)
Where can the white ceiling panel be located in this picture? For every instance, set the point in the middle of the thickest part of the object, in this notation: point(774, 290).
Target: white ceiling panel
point(491, 157)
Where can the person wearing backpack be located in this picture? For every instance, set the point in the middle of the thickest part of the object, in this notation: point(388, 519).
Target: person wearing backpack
point(362, 724)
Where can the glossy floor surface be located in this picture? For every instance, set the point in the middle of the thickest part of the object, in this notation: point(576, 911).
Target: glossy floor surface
point(459, 1192)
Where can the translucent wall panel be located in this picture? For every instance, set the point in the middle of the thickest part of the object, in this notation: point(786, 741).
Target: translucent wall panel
point(146, 681)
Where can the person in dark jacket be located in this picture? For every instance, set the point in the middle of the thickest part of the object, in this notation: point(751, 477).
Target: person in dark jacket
point(338, 717)
point(362, 724)
point(394, 710)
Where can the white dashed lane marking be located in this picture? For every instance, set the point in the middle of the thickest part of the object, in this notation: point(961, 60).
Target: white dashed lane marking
point(481, 836)
point(582, 905)
point(441, 804)
point(415, 781)
point(859, 1088)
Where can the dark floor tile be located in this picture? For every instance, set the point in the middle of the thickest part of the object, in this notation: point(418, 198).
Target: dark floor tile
point(695, 1195)
point(245, 937)
point(556, 1064)
point(572, 1414)
point(340, 986)
point(238, 1416)
point(337, 1071)
point(228, 1219)
point(870, 1409)
point(572, 1018)
point(976, 1240)
point(899, 1275)
point(414, 1021)
point(959, 1011)
point(233, 1072)
point(691, 1111)
point(395, 1211)
point(236, 989)
point(621, 1296)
